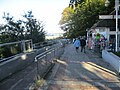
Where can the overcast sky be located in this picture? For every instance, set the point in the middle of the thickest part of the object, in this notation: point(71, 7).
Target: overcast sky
point(48, 11)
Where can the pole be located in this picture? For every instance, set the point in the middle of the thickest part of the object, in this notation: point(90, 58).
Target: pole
point(116, 9)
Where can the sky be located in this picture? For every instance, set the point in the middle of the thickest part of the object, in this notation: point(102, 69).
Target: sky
point(48, 11)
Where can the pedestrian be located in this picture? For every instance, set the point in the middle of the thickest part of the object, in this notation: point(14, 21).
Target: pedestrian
point(77, 44)
point(83, 44)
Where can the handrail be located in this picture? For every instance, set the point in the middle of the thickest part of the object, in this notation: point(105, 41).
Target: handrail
point(14, 42)
point(23, 46)
point(42, 54)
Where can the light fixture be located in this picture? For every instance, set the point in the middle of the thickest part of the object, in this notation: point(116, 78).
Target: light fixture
point(107, 2)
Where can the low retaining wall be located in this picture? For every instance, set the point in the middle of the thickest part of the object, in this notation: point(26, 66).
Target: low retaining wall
point(15, 64)
point(21, 61)
point(18, 63)
point(112, 59)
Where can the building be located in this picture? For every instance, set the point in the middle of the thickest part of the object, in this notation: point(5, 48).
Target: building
point(107, 28)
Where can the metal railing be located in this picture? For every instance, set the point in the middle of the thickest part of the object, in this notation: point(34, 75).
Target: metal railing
point(8, 50)
point(44, 61)
point(43, 44)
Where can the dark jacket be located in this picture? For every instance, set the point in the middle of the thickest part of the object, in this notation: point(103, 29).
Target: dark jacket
point(83, 42)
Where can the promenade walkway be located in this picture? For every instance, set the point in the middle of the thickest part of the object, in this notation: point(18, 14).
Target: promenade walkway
point(81, 71)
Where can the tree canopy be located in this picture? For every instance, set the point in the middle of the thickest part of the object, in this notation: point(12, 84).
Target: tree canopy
point(27, 28)
point(82, 14)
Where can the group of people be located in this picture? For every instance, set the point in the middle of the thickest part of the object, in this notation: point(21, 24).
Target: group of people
point(79, 42)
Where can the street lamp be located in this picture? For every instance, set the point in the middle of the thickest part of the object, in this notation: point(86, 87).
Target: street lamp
point(107, 2)
point(116, 17)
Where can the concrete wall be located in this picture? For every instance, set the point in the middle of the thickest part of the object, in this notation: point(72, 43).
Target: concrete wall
point(15, 64)
point(18, 63)
point(112, 59)
point(21, 61)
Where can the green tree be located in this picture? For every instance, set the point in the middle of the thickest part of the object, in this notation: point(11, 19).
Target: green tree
point(34, 28)
point(65, 22)
point(10, 31)
point(16, 30)
point(85, 14)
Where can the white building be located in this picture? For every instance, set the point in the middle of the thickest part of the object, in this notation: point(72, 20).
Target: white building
point(105, 28)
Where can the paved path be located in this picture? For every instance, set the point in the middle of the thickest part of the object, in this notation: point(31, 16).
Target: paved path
point(81, 71)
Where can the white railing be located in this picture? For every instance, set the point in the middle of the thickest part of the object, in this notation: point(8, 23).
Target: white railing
point(14, 48)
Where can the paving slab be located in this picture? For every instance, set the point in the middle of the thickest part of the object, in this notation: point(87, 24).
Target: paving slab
point(81, 71)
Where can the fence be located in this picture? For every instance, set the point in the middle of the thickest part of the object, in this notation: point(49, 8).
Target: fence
point(7, 50)
point(42, 44)
point(44, 61)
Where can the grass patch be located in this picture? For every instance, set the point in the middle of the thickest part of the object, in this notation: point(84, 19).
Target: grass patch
point(117, 53)
point(37, 84)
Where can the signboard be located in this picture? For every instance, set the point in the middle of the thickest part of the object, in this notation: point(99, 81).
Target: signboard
point(108, 16)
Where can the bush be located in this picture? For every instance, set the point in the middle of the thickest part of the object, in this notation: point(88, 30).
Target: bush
point(5, 52)
point(9, 50)
point(117, 53)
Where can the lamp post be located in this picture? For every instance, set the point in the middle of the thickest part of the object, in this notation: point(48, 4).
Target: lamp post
point(107, 3)
point(116, 9)
point(116, 18)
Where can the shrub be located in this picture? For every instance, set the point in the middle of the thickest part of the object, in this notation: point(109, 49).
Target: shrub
point(117, 53)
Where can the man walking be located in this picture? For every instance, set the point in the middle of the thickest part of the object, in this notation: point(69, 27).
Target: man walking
point(83, 43)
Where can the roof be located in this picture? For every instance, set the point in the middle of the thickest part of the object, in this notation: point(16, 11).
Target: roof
point(107, 22)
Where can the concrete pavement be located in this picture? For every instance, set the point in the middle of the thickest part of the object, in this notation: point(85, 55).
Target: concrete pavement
point(81, 71)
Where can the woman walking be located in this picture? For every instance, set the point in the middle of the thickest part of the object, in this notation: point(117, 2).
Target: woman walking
point(77, 44)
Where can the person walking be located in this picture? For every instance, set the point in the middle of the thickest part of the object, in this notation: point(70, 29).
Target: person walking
point(77, 44)
point(83, 44)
